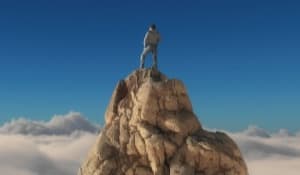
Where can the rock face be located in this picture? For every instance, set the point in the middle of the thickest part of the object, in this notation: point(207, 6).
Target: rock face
point(151, 130)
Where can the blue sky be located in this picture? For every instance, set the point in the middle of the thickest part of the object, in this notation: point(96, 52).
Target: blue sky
point(238, 59)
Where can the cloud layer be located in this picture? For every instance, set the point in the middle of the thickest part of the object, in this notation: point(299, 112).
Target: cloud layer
point(58, 147)
point(58, 125)
point(43, 155)
point(269, 154)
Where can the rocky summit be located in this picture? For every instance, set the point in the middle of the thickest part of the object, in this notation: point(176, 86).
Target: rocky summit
point(151, 129)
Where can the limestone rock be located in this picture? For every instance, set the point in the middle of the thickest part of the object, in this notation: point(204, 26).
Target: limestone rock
point(151, 129)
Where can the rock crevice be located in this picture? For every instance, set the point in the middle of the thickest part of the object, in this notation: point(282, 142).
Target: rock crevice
point(151, 129)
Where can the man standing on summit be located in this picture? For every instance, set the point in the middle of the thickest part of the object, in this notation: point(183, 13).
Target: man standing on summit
point(151, 41)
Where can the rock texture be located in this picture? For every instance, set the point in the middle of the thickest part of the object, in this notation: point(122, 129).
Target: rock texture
point(151, 130)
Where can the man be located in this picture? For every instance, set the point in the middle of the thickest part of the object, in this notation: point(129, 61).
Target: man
point(151, 41)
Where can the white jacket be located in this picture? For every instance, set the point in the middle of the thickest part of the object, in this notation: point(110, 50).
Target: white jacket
point(152, 37)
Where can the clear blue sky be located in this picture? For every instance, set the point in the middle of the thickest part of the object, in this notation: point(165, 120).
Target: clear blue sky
point(238, 59)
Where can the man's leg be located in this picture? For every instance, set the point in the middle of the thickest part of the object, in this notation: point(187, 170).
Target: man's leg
point(154, 52)
point(143, 56)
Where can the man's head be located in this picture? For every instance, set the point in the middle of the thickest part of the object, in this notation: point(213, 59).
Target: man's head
point(153, 27)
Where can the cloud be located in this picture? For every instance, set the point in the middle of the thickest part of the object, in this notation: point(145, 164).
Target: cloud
point(58, 147)
point(272, 154)
point(256, 132)
point(58, 125)
point(274, 166)
point(55, 147)
point(43, 155)
point(276, 144)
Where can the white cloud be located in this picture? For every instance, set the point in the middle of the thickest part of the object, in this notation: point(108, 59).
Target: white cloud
point(277, 144)
point(58, 147)
point(256, 132)
point(275, 154)
point(58, 125)
point(274, 166)
point(43, 155)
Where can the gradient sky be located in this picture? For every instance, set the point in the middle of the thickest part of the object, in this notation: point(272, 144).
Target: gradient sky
point(238, 59)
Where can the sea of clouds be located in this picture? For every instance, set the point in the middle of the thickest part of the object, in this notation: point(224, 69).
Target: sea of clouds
point(58, 146)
